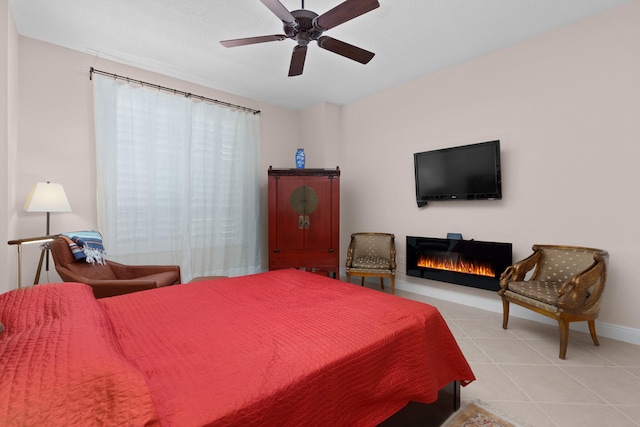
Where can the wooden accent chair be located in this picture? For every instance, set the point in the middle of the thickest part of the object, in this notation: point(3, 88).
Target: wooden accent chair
point(566, 284)
point(372, 255)
point(111, 278)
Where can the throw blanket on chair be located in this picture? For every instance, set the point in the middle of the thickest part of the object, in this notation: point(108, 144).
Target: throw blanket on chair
point(86, 245)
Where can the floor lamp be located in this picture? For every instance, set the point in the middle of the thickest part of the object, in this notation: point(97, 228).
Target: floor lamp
point(46, 197)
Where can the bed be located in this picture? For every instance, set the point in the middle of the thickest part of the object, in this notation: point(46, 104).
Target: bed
point(281, 348)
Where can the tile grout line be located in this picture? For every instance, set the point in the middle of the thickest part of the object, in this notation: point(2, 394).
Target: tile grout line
point(508, 377)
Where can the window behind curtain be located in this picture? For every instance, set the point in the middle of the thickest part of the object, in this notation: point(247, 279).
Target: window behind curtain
point(178, 181)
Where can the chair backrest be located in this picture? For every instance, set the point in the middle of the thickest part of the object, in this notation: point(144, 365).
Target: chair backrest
point(62, 256)
point(372, 244)
point(561, 263)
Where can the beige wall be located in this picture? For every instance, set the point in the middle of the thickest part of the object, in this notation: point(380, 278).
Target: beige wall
point(565, 106)
point(8, 132)
point(562, 104)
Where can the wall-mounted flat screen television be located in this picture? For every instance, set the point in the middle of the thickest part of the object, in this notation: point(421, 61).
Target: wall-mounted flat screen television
point(467, 172)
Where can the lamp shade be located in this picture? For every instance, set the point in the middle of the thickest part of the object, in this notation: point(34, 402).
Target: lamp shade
point(47, 197)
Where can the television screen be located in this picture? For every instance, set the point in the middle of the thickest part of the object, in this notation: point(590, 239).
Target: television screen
point(468, 172)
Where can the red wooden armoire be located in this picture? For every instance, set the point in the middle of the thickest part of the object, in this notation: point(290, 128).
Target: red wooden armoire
point(304, 219)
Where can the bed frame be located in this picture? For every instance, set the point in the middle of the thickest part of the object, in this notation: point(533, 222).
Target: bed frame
point(417, 414)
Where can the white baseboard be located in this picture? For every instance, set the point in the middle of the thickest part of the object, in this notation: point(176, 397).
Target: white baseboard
point(493, 303)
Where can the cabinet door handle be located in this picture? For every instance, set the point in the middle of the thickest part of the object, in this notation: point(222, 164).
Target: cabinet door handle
point(301, 222)
point(306, 222)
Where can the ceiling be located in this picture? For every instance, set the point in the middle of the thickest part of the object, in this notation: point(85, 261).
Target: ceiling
point(411, 38)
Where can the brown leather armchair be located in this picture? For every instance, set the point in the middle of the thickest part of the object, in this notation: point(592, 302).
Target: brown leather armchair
point(372, 255)
point(111, 278)
point(566, 283)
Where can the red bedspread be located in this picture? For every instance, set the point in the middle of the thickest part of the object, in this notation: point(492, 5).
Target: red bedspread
point(284, 348)
point(278, 348)
point(60, 364)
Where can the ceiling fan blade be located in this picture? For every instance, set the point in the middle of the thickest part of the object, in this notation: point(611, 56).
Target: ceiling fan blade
point(279, 10)
point(345, 49)
point(252, 40)
point(297, 60)
point(344, 12)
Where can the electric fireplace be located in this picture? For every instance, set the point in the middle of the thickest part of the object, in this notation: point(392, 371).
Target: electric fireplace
point(463, 262)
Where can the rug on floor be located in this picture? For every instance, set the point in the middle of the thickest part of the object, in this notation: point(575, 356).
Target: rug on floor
point(477, 414)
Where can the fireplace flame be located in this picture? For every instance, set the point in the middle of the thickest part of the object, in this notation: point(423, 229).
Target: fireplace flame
point(458, 266)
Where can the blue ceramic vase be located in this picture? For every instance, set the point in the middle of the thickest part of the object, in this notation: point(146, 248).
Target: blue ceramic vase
point(300, 158)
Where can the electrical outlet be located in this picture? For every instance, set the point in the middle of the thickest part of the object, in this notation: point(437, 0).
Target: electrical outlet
point(401, 259)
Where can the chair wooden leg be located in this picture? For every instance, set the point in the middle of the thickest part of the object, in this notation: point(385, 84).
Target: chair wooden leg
point(393, 285)
point(564, 337)
point(362, 281)
point(348, 278)
point(505, 313)
point(382, 282)
point(592, 330)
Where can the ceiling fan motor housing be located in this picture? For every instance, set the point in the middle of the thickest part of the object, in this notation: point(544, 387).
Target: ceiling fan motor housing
point(303, 30)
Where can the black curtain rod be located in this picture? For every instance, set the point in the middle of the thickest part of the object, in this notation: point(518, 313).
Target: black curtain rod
point(174, 91)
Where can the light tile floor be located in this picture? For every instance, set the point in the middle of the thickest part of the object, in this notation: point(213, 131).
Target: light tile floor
point(519, 373)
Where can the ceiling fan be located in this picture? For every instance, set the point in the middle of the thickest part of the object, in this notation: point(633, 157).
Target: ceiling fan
point(303, 26)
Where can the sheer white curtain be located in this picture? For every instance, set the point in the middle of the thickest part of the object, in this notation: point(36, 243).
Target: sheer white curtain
point(178, 180)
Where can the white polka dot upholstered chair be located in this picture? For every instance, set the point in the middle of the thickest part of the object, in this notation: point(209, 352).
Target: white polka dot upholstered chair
point(565, 283)
point(372, 255)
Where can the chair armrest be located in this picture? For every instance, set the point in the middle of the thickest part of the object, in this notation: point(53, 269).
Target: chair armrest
point(584, 290)
point(130, 272)
point(110, 288)
point(70, 276)
point(350, 253)
point(393, 255)
point(106, 288)
point(517, 271)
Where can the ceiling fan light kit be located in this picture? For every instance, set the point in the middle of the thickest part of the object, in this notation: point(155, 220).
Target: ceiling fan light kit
point(304, 26)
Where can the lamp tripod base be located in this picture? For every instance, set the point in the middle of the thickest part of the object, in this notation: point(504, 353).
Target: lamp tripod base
point(44, 252)
point(44, 248)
